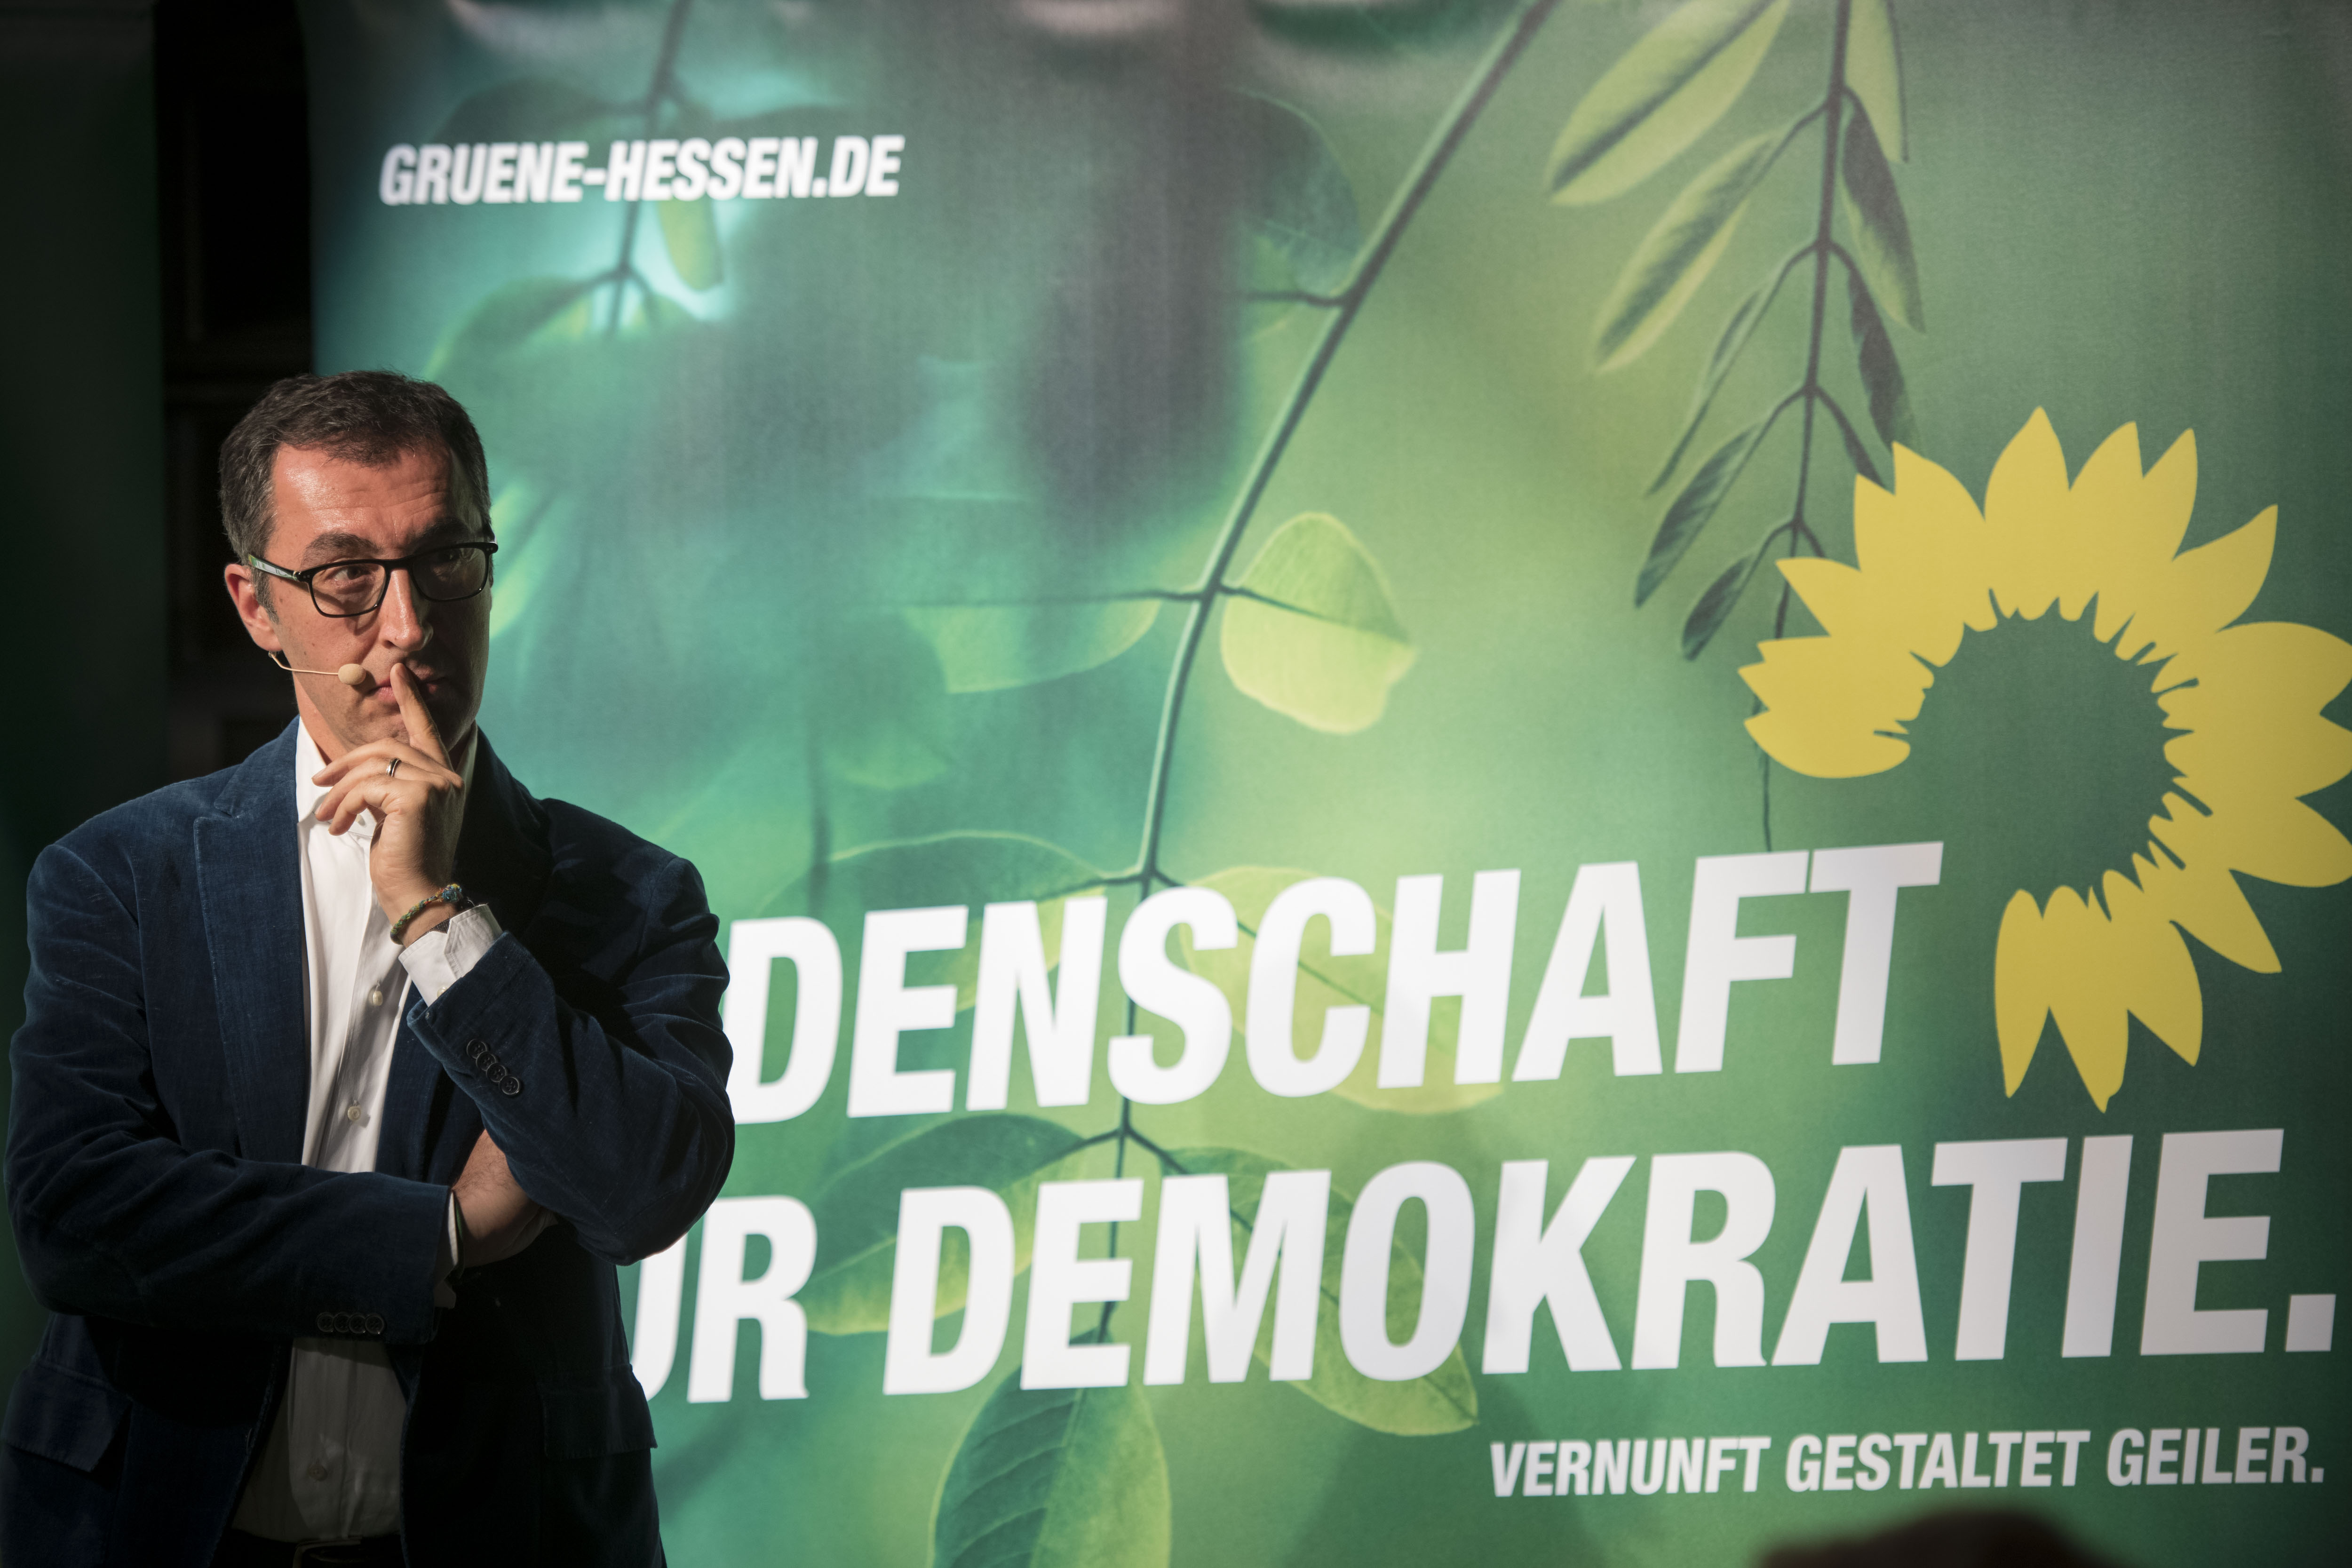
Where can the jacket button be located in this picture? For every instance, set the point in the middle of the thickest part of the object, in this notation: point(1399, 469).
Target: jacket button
point(375, 1322)
point(477, 1050)
point(326, 1322)
point(512, 1086)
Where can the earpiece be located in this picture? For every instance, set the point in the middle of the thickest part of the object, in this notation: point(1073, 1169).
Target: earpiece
point(352, 675)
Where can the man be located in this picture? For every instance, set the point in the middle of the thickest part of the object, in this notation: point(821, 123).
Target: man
point(347, 1077)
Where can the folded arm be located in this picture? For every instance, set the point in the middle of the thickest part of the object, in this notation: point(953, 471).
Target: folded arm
point(115, 1217)
point(615, 1117)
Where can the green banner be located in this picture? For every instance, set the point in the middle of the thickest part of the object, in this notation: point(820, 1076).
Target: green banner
point(1521, 784)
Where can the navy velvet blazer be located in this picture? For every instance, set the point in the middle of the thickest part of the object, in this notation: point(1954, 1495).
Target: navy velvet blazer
point(165, 1217)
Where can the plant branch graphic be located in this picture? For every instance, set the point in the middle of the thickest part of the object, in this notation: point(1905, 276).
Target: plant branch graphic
point(1658, 100)
point(1310, 631)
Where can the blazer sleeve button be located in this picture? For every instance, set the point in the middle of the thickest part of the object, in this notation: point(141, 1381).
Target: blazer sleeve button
point(375, 1322)
point(326, 1322)
point(513, 1085)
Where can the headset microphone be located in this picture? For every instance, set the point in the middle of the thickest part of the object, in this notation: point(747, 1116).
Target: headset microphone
point(352, 675)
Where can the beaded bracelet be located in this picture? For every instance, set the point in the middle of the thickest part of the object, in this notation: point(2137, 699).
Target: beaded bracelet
point(448, 895)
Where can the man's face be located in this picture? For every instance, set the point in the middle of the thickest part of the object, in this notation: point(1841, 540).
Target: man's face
point(330, 509)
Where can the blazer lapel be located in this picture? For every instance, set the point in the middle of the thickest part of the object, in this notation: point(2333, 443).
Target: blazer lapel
point(250, 878)
point(503, 862)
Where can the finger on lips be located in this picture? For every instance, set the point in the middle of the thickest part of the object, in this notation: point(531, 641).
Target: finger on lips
point(422, 731)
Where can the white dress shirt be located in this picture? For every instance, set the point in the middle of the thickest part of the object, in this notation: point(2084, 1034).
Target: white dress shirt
point(330, 1467)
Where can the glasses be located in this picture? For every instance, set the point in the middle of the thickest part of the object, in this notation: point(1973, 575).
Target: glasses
point(345, 588)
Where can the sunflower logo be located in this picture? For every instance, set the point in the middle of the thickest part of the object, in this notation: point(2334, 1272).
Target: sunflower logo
point(2244, 700)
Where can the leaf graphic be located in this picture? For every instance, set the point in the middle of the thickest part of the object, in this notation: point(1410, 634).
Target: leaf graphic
point(1443, 1401)
point(1313, 632)
point(856, 1211)
point(886, 723)
point(532, 530)
point(507, 317)
point(1661, 97)
point(1890, 405)
point(1736, 333)
point(1303, 208)
point(969, 868)
point(1325, 981)
point(1882, 235)
point(1874, 69)
point(691, 231)
point(1856, 453)
point(537, 108)
point(1689, 511)
point(1055, 1478)
point(1379, 29)
point(1707, 616)
point(991, 647)
point(1674, 257)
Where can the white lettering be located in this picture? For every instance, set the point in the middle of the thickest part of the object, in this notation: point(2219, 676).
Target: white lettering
point(397, 182)
point(886, 150)
point(1671, 1261)
point(1539, 1265)
point(1060, 1281)
point(925, 1214)
point(1274, 988)
point(1364, 1281)
point(1196, 1239)
point(2184, 1238)
point(1479, 974)
point(1995, 1172)
point(849, 164)
point(753, 948)
point(2102, 1184)
point(723, 1299)
point(1605, 906)
point(569, 156)
point(1867, 1178)
point(1870, 878)
point(1716, 955)
point(1061, 1035)
point(888, 1007)
point(1156, 984)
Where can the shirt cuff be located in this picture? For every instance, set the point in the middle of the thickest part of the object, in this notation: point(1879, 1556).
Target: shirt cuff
point(440, 958)
point(445, 1264)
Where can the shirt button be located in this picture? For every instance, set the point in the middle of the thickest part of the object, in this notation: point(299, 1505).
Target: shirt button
point(317, 1472)
point(376, 997)
point(352, 1112)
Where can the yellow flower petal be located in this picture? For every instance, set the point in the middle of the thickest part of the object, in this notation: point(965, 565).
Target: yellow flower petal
point(2157, 974)
point(2212, 584)
point(2279, 841)
point(1824, 711)
point(2086, 995)
point(2028, 524)
point(2202, 895)
point(2253, 674)
point(2021, 987)
point(2285, 759)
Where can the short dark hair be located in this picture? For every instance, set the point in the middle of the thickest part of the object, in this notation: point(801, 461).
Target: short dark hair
point(367, 417)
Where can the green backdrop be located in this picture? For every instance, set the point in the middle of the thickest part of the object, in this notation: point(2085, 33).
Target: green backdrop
point(1230, 453)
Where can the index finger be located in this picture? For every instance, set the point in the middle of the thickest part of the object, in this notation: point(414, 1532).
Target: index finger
point(422, 732)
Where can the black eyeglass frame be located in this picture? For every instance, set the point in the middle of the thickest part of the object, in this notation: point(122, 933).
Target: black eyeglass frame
point(488, 547)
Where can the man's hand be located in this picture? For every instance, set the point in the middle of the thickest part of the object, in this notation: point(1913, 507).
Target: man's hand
point(498, 1218)
point(418, 808)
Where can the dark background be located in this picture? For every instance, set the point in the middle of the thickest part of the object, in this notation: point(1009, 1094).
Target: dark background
point(160, 276)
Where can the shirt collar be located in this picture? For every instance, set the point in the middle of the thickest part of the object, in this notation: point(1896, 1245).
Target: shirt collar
point(308, 761)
